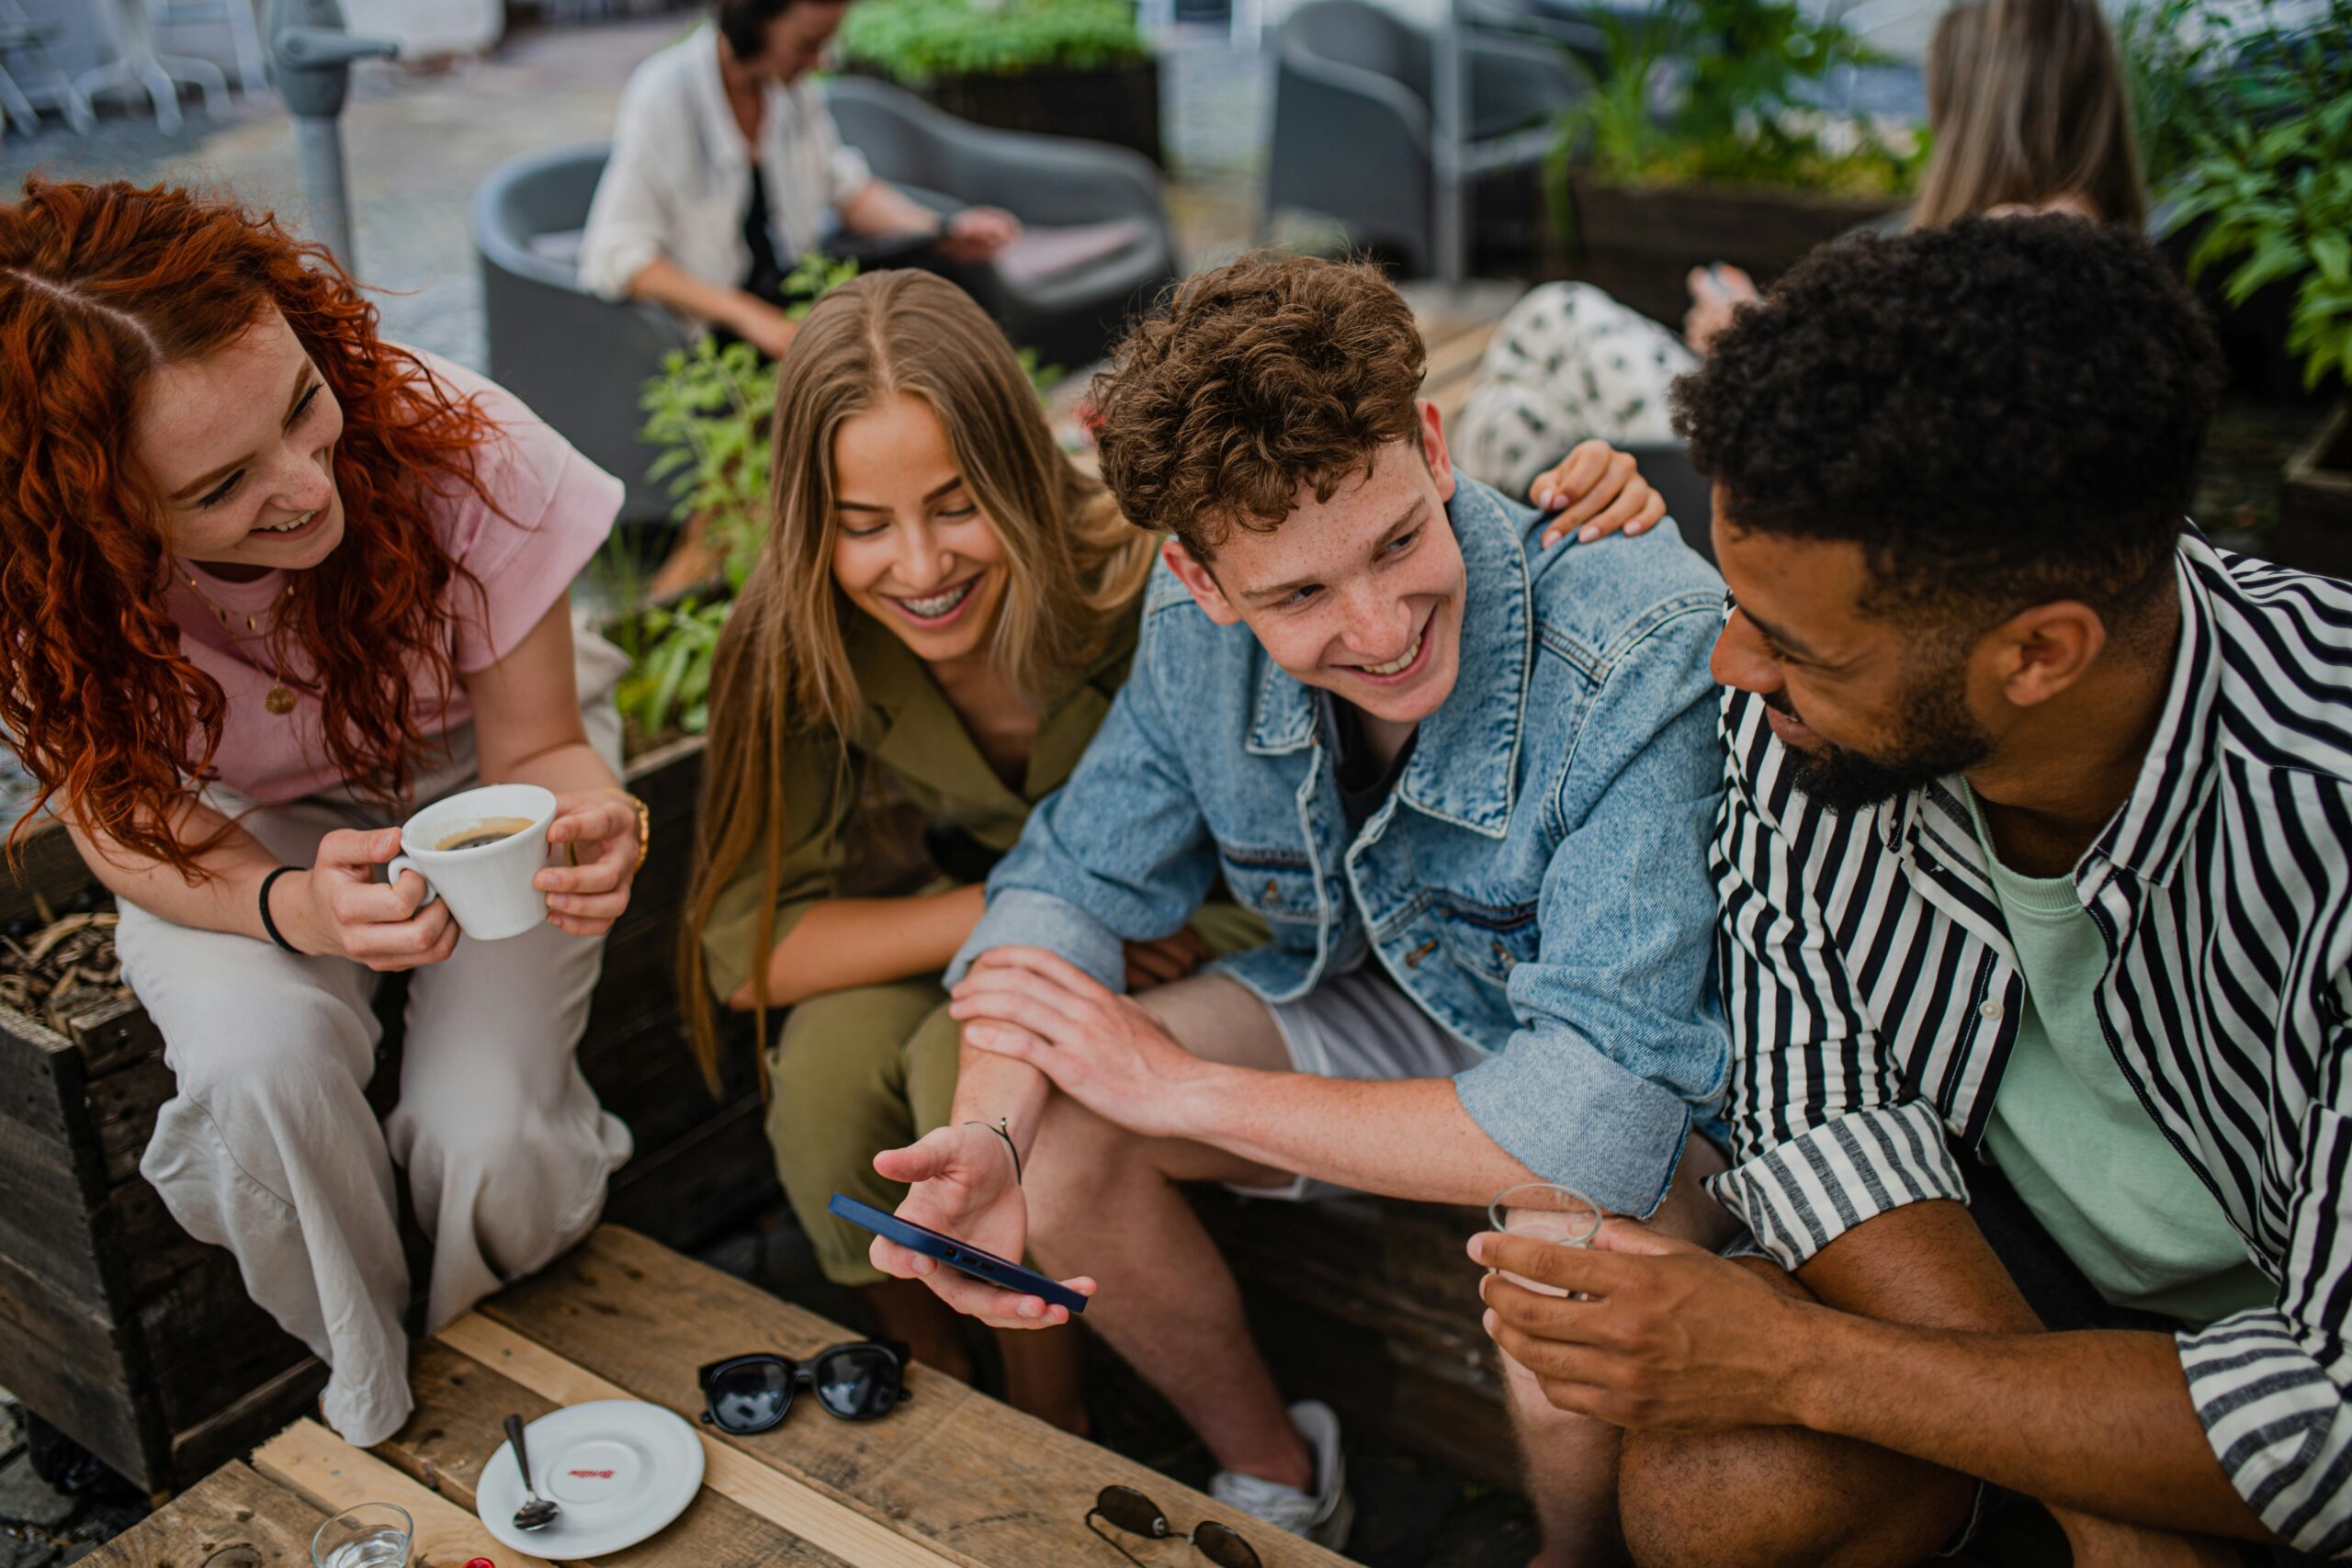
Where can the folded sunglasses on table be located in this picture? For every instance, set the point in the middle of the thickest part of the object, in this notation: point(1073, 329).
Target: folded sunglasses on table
point(744, 1394)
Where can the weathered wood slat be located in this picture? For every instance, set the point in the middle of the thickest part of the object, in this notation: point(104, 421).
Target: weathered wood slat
point(229, 1431)
point(66, 1359)
point(974, 1478)
point(455, 1433)
point(230, 1508)
point(688, 1193)
point(774, 1497)
point(331, 1475)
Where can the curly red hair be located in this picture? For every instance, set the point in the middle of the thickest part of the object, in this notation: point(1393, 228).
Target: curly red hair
point(100, 286)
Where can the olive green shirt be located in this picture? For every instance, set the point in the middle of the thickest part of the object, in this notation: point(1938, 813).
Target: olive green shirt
point(911, 731)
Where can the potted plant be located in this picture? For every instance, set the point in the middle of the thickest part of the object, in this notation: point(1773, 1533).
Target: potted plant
point(2269, 186)
point(1064, 67)
point(1696, 143)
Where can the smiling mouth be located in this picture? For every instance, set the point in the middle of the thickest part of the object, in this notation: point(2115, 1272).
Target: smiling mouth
point(1403, 661)
point(939, 606)
point(296, 526)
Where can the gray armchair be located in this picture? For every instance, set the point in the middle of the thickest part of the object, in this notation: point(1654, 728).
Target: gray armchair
point(578, 360)
point(1352, 128)
point(1069, 317)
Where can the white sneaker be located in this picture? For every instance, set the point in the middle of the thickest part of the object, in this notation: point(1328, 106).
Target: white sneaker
point(1323, 1515)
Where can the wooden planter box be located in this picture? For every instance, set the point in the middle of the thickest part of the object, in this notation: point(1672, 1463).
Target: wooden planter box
point(1640, 242)
point(2314, 530)
point(1119, 105)
point(138, 1342)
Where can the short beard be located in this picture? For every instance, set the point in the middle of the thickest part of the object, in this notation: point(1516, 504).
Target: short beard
point(1939, 738)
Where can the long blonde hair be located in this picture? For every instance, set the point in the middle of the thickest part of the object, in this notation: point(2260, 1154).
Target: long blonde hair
point(782, 674)
point(2030, 105)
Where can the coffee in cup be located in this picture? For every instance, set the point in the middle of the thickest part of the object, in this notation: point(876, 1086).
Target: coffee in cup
point(482, 850)
point(488, 830)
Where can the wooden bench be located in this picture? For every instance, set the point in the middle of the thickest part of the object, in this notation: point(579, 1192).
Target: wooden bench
point(952, 1479)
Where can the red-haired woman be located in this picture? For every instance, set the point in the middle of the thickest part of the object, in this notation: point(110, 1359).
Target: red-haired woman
point(267, 582)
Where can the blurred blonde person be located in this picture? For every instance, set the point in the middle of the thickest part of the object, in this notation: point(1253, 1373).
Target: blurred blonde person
point(2029, 112)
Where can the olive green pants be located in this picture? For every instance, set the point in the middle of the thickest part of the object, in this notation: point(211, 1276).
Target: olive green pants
point(858, 1071)
point(853, 1073)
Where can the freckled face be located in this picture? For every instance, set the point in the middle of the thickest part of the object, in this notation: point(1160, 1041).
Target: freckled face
point(1360, 594)
point(241, 446)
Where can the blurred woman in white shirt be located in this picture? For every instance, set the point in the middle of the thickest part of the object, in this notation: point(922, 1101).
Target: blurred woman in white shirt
point(726, 169)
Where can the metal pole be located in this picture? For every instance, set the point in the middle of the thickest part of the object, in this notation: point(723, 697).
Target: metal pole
point(1448, 121)
point(318, 142)
point(310, 55)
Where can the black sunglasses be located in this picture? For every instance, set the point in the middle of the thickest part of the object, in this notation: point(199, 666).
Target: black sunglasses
point(744, 1394)
point(1130, 1510)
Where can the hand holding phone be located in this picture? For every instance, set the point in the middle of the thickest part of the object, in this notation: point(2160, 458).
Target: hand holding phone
point(962, 1188)
point(957, 1254)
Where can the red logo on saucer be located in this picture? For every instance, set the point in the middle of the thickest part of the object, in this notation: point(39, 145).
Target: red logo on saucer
point(591, 1474)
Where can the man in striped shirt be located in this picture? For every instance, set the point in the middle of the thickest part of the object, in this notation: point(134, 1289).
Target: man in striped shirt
point(2035, 900)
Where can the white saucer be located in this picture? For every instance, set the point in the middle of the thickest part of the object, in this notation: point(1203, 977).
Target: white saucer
point(619, 1469)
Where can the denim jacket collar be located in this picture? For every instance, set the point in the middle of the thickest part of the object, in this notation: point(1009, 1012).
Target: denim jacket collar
point(1465, 760)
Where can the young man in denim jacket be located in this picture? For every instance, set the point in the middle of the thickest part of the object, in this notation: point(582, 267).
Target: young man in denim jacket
point(1468, 782)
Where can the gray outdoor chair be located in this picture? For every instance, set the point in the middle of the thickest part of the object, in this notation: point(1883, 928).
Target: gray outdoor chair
point(1353, 121)
point(1069, 317)
point(578, 360)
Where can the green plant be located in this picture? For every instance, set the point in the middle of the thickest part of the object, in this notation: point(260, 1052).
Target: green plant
point(1713, 91)
point(2271, 177)
point(916, 42)
point(671, 649)
point(2171, 56)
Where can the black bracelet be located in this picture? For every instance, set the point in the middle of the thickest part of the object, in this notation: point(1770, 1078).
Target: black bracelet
point(1001, 1131)
point(268, 924)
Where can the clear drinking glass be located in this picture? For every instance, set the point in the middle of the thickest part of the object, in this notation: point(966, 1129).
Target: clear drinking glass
point(1548, 1211)
point(373, 1535)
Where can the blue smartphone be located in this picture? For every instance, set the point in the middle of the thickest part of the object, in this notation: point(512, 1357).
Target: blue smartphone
point(958, 1255)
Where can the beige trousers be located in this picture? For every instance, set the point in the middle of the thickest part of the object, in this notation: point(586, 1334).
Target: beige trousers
point(269, 1148)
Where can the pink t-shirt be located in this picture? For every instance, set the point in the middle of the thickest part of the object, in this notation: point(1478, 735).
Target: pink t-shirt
point(557, 510)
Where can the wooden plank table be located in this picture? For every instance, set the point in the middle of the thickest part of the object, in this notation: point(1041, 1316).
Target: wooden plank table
point(952, 1479)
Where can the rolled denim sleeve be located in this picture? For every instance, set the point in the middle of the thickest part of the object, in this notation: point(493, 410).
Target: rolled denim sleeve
point(1120, 853)
point(1619, 1039)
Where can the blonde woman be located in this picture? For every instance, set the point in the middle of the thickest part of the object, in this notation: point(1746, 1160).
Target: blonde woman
point(2030, 113)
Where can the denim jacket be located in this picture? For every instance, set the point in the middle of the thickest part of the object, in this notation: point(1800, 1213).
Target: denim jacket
point(1537, 882)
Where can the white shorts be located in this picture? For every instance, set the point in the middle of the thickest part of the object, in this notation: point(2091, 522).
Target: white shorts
point(1361, 1025)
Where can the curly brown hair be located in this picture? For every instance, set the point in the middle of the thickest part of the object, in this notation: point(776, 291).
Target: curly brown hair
point(1245, 383)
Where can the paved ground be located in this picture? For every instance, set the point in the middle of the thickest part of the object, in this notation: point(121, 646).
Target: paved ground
point(418, 140)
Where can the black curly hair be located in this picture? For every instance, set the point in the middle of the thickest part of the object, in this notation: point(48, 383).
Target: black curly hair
point(2002, 412)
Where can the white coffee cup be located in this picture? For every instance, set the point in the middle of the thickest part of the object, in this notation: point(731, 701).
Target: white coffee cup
point(489, 886)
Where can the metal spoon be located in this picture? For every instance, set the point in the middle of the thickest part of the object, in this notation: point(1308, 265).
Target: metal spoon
point(536, 1513)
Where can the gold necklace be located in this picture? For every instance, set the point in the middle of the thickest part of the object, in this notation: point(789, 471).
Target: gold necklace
point(279, 701)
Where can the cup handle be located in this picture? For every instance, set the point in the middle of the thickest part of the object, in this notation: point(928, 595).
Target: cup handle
point(400, 863)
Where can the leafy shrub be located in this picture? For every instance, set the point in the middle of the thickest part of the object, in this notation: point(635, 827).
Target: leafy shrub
point(915, 43)
point(2271, 177)
point(1711, 91)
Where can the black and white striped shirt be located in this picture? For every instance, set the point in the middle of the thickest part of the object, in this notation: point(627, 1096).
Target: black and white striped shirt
point(1874, 999)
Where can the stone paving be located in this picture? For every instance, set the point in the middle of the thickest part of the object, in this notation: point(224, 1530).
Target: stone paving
point(419, 139)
